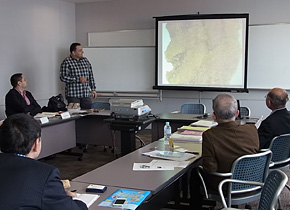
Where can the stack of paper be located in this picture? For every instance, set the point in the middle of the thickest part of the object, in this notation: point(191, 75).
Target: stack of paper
point(204, 123)
point(157, 165)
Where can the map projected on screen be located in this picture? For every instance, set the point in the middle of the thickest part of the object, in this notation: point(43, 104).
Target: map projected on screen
point(204, 52)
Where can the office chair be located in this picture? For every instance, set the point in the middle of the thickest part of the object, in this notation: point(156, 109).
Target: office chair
point(106, 106)
point(96, 105)
point(101, 105)
point(280, 147)
point(253, 167)
point(271, 189)
point(245, 111)
point(193, 109)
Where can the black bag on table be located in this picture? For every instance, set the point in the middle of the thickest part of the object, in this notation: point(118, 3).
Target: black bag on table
point(55, 104)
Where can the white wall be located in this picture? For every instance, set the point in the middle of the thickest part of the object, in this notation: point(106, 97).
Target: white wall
point(35, 37)
point(137, 14)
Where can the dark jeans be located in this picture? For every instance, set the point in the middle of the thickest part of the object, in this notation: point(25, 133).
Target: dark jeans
point(85, 103)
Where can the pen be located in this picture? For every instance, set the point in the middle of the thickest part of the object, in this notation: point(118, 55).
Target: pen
point(73, 190)
point(196, 153)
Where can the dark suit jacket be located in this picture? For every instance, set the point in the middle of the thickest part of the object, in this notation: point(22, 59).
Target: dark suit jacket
point(275, 124)
point(15, 103)
point(26, 183)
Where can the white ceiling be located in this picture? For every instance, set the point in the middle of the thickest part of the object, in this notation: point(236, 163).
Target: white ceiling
point(84, 1)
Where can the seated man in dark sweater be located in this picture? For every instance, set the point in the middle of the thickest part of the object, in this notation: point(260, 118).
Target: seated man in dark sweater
point(19, 100)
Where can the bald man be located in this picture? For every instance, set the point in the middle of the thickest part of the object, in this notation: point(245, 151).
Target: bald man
point(278, 122)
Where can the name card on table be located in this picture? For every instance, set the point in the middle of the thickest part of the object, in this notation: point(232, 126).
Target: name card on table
point(65, 115)
point(44, 120)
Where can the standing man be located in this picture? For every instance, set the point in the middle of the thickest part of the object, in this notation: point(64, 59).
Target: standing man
point(278, 122)
point(222, 145)
point(19, 100)
point(76, 72)
point(25, 182)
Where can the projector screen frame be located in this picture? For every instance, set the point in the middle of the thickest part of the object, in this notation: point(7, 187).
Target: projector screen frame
point(196, 17)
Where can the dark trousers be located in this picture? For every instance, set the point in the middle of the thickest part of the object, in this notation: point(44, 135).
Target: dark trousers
point(196, 195)
point(85, 102)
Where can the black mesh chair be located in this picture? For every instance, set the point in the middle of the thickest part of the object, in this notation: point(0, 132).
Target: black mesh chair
point(245, 111)
point(252, 167)
point(97, 106)
point(193, 109)
point(280, 147)
point(271, 189)
point(101, 105)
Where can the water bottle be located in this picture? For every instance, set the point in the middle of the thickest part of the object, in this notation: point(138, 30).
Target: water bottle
point(167, 132)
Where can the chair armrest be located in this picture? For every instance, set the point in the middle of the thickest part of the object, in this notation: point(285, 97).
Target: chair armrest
point(271, 164)
point(233, 181)
point(221, 174)
point(217, 173)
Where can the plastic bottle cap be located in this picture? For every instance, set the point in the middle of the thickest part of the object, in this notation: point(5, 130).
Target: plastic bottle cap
point(167, 123)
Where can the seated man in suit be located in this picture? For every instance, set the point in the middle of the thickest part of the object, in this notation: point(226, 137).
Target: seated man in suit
point(27, 183)
point(222, 145)
point(19, 100)
point(278, 122)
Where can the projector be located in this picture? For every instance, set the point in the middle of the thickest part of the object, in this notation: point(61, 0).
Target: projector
point(129, 108)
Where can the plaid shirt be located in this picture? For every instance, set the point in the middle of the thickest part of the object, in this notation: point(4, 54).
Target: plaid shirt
point(70, 72)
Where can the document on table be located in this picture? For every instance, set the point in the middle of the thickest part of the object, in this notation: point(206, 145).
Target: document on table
point(88, 199)
point(204, 123)
point(46, 114)
point(168, 155)
point(159, 165)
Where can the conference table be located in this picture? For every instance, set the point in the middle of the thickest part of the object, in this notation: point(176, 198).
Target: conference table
point(162, 184)
point(59, 134)
point(93, 128)
point(178, 120)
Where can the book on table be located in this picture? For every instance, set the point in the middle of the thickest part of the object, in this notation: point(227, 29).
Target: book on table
point(88, 199)
point(189, 133)
point(133, 198)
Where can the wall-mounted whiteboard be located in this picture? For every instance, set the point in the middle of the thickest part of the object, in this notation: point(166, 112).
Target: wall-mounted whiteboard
point(133, 68)
point(269, 56)
point(124, 38)
point(123, 68)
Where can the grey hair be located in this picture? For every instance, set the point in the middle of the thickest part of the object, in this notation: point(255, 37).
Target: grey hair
point(225, 106)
